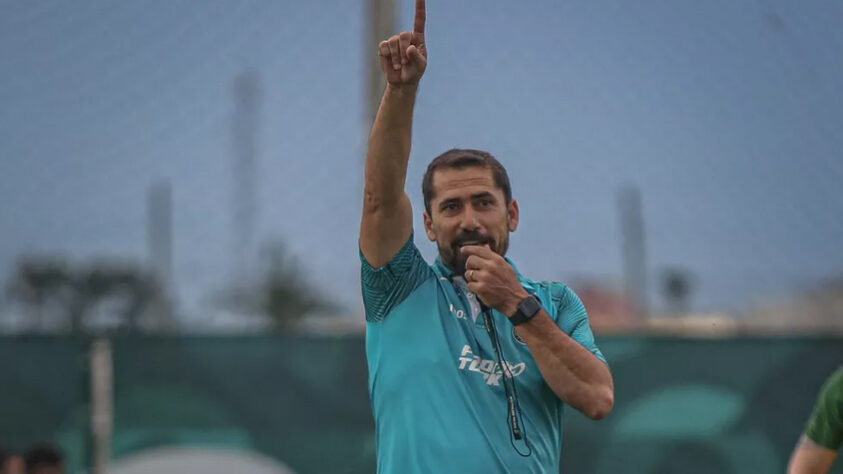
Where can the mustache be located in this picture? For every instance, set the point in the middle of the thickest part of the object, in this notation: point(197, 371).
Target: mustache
point(473, 237)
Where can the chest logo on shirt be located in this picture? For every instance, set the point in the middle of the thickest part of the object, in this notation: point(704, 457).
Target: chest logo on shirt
point(489, 369)
point(517, 337)
point(460, 314)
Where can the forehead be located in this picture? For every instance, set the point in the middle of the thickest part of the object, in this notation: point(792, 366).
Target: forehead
point(463, 182)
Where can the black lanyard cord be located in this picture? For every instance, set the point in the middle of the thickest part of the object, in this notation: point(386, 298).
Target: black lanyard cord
point(513, 412)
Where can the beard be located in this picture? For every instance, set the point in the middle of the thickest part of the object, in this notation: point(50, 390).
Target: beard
point(455, 260)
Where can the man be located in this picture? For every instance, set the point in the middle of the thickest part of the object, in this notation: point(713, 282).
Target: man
point(823, 435)
point(456, 388)
point(44, 458)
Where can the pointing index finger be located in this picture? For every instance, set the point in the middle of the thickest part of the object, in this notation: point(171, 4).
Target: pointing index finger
point(421, 16)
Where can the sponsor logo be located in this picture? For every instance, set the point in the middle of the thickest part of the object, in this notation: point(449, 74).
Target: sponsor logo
point(517, 337)
point(489, 369)
point(460, 314)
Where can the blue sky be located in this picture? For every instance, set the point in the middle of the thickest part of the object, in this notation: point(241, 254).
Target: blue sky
point(727, 115)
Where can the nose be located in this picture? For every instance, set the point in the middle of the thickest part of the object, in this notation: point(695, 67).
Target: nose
point(469, 222)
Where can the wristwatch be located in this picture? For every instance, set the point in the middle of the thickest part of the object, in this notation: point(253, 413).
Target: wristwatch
point(527, 308)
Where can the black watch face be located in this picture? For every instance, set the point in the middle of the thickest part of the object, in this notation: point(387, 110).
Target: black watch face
point(530, 306)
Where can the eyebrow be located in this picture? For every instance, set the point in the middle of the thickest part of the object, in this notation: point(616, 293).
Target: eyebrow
point(480, 195)
point(484, 194)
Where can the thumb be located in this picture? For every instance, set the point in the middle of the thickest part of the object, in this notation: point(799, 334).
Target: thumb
point(415, 55)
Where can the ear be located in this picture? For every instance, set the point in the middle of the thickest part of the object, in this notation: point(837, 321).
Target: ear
point(428, 227)
point(512, 215)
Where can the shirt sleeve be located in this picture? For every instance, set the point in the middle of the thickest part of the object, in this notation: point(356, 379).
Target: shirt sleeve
point(825, 427)
point(573, 318)
point(386, 287)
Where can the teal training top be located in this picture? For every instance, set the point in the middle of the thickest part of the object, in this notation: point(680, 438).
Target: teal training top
point(436, 389)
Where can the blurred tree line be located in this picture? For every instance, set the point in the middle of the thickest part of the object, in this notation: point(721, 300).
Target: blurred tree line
point(102, 295)
point(58, 296)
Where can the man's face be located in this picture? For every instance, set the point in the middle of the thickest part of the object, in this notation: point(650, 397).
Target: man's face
point(467, 208)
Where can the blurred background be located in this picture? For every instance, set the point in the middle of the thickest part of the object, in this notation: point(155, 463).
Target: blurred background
point(181, 185)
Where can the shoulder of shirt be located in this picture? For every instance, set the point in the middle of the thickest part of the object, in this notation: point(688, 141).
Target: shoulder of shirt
point(560, 293)
point(835, 382)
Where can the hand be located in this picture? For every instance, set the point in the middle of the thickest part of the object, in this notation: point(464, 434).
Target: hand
point(492, 279)
point(403, 57)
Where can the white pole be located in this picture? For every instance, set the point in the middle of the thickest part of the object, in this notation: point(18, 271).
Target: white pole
point(101, 405)
point(380, 25)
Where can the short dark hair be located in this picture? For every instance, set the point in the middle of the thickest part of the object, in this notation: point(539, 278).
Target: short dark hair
point(42, 454)
point(459, 158)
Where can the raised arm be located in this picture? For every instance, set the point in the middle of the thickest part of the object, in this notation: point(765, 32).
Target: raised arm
point(387, 215)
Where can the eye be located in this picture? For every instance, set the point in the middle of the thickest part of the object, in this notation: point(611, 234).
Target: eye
point(484, 202)
point(451, 206)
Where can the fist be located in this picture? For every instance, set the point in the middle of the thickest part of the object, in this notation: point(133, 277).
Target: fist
point(403, 57)
point(492, 279)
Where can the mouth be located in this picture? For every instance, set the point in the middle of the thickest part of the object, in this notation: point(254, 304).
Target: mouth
point(472, 242)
